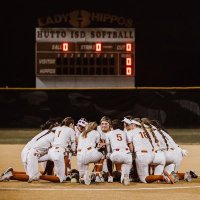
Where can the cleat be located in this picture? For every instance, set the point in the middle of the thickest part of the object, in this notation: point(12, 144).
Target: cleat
point(110, 179)
point(176, 178)
point(126, 180)
point(5, 176)
point(187, 177)
point(168, 177)
point(30, 180)
point(193, 174)
point(99, 179)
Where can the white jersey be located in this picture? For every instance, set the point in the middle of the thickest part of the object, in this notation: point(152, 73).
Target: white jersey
point(30, 144)
point(32, 141)
point(64, 137)
point(153, 138)
point(117, 140)
point(102, 134)
point(161, 140)
point(139, 139)
point(92, 139)
point(43, 143)
point(170, 141)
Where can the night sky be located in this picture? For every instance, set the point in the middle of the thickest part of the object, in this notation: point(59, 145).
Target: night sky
point(167, 39)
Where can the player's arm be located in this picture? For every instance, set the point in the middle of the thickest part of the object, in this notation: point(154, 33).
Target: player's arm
point(129, 142)
point(73, 142)
point(108, 147)
point(131, 147)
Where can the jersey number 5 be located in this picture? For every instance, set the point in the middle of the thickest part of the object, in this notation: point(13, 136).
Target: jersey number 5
point(119, 137)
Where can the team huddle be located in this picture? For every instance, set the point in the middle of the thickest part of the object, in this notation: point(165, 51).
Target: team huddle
point(128, 150)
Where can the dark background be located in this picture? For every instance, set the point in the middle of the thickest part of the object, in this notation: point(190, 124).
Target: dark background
point(167, 39)
point(30, 108)
point(167, 54)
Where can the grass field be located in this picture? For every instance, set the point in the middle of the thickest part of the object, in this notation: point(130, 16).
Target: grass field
point(22, 136)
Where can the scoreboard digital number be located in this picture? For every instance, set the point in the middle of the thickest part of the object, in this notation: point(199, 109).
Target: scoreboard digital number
point(85, 58)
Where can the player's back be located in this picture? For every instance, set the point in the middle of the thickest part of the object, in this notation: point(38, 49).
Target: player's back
point(32, 141)
point(140, 140)
point(117, 139)
point(44, 143)
point(170, 140)
point(161, 140)
point(93, 137)
point(63, 136)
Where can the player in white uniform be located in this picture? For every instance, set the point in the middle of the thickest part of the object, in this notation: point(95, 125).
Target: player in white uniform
point(79, 128)
point(104, 165)
point(146, 153)
point(173, 153)
point(34, 153)
point(45, 128)
point(64, 142)
point(37, 154)
point(118, 150)
point(87, 152)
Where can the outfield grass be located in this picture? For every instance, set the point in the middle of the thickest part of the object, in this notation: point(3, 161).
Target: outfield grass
point(17, 136)
point(22, 136)
point(185, 136)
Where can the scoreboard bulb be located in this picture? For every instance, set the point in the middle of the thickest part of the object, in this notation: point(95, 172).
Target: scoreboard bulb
point(65, 46)
point(128, 61)
point(98, 46)
point(128, 47)
point(128, 71)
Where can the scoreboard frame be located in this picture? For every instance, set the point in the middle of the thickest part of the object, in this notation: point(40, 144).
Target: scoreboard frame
point(85, 57)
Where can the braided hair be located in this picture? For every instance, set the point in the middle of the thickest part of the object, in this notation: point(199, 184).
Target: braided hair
point(147, 134)
point(158, 126)
point(148, 123)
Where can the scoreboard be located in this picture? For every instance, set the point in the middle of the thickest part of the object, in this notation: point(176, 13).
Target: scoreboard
point(85, 58)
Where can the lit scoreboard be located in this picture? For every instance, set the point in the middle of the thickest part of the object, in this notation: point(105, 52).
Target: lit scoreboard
point(85, 58)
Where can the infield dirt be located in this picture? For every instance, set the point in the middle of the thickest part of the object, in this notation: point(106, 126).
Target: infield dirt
point(10, 157)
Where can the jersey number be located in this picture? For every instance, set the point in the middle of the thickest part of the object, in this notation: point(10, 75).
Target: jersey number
point(119, 137)
point(58, 134)
point(143, 135)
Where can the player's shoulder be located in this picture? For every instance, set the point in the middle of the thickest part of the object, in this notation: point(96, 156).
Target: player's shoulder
point(94, 132)
point(40, 134)
point(58, 128)
point(109, 133)
point(137, 130)
point(117, 131)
